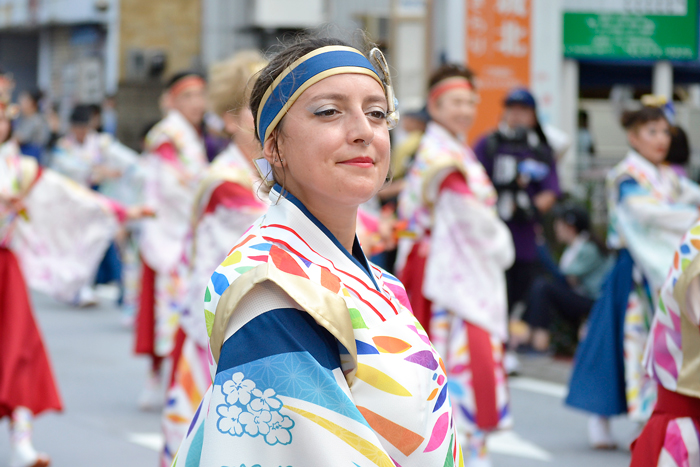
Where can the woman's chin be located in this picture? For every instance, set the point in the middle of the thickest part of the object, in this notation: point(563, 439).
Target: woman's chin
point(360, 191)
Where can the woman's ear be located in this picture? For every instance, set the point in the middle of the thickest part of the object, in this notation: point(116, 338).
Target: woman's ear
point(633, 137)
point(433, 108)
point(271, 150)
point(230, 123)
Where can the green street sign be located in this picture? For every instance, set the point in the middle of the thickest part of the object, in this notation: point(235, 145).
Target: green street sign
point(632, 33)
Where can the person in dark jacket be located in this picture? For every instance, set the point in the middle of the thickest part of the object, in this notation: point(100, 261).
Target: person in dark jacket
point(521, 165)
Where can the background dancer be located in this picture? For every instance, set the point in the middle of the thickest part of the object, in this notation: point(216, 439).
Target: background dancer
point(455, 273)
point(53, 233)
point(176, 160)
point(650, 208)
point(228, 202)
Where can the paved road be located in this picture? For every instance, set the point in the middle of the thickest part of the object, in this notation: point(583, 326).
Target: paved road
point(548, 434)
point(100, 380)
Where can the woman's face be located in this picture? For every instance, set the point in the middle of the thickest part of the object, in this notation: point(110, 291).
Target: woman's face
point(26, 104)
point(455, 110)
point(191, 103)
point(564, 232)
point(241, 126)
point(334, 142)
point(651, 140)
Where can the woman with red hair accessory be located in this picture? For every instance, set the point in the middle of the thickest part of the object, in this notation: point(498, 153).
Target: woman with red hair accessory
point(455, 268)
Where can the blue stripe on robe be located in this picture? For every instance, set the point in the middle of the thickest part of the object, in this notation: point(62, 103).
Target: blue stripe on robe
point(279, 331)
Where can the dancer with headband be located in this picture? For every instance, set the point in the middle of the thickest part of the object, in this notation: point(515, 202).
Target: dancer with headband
point(229, 199)
point(455, 271)
point(314, 352)
point(650, 208)
point(176, 158)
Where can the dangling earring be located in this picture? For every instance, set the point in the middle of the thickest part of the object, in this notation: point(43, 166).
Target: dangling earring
point(265, 171)
point(376, 57)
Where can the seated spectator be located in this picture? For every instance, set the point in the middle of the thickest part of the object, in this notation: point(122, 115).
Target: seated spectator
point(583, 265)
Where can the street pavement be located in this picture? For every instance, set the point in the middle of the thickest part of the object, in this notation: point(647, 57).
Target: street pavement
point(100, 380)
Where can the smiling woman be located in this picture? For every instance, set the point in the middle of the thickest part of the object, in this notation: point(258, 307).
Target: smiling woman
point(314, 352)
point(345, 167)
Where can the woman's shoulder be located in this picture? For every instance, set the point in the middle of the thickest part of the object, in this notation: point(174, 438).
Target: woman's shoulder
point(438, 146)
point(260, 257)
point(625, 178)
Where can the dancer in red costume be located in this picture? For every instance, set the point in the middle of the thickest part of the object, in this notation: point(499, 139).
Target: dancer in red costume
point(53, 233)
point(455, 271)
point(176, 160)
point(229, 199)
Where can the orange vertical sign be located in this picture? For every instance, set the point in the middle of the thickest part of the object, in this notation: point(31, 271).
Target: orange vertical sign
point(498, 50)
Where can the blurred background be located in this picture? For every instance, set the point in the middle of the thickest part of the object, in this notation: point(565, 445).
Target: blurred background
point(583, 60)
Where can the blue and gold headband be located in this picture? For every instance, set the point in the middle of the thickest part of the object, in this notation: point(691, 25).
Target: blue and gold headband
point(312, 68)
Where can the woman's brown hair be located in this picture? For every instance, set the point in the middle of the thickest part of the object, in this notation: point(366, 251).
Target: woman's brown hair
point(633, 119)
point(450, 70)
point(231, 81)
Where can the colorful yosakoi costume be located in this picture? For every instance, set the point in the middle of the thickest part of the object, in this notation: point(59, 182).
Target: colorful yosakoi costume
point(455, 274)
point(315, 357)
point(26, 378)
point(176, 160)
point(229, 200)
point(55, 243)
point(78, 160)
point(671, 437)
point(650, 208)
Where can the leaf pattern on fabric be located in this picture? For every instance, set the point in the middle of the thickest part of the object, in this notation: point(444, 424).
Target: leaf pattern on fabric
point(380, 380)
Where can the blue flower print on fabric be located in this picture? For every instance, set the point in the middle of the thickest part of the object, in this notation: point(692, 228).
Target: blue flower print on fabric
point(238, 389)
point(249, 410)
point(256, 423)
point(228, 419)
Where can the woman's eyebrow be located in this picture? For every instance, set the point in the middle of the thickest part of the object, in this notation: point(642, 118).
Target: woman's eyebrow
point(332, 96)
point(375, 98)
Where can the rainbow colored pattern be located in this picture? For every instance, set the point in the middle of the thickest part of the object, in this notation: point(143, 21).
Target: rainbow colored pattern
point(669, 356)
point(386, 405)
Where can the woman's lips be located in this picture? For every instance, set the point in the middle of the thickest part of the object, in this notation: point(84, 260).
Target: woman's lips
point(364, 162)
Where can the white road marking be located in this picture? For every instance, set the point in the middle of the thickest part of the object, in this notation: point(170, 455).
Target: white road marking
point(153, 441)
point(511, 444)
point(537, 386)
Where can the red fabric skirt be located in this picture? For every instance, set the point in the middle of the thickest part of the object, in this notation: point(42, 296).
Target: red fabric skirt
point(146, 317)
point(180, 337)
point(670, 405)
point(412, 279)
point(26, 377)
point(483, 368)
